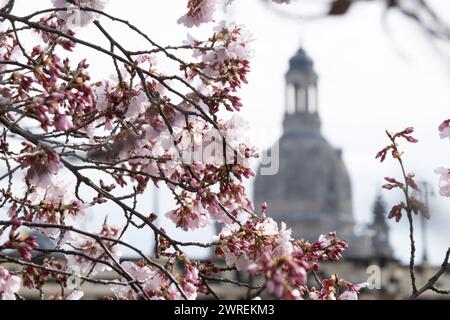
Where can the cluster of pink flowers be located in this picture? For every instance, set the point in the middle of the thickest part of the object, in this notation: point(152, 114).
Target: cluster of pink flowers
point(191, 282)
point(261, 247)
point(65, 102)
point(284, 277)
point(155, 285)
point(99, 249)
point(43, 165)
point(58, 103)
point(151, 281)
point(190, 216)
point(330, 290)
point(53, 204)
point(115, 100)
point(221, 67)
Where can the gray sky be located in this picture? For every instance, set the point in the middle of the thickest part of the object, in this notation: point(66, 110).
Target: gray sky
point(374, 75)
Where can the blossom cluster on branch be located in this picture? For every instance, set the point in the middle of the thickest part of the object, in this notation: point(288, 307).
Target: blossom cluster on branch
point(70, 143)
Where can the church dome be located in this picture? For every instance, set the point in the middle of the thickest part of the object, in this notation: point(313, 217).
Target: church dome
point(312, 182)
point(312, 177)
point(301, 62)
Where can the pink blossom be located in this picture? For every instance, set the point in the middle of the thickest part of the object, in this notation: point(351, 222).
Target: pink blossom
point(101, 93)
point(140, 273)
point(217, 212)
point(137, 105)
point(444, 181)
point(149, 279)
point(9, 285)
point(190, 281)
point(444, 129)
point(63, 122)
point(330, 247)
point(242, 246)
point(241, 261)
point(282, 281)
point(157, 149)
point(42, 167)
point(24, 244)
point(267, 228)
point(190, 217)
point(275, 285)
point(264, 207)
point(77, 209)
point(352, 291)
point(284, 245)
point(323, 241)
point(74, 17)
point(199, 11)
point(92, 248)
point(10, 53)
point(193, 137)
point(237, 46)
point(56, 201)
point(229, 58)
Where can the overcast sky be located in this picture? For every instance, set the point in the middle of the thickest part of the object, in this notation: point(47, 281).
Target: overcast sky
point(374, 75)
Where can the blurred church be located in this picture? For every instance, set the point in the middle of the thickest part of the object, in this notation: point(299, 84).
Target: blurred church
point(312, 191)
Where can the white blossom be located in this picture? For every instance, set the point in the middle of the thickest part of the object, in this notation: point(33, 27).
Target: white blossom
point(444, 181)
point(76, 17)
point(9, 285)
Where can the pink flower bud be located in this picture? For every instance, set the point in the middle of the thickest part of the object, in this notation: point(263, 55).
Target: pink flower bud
point(409, 130)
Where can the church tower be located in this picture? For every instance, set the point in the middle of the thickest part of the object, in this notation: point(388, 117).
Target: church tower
point(311, 191)
point(381, 247)
point(301, 85)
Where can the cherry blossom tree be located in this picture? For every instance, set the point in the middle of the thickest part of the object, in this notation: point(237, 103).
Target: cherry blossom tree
point(70, 143)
